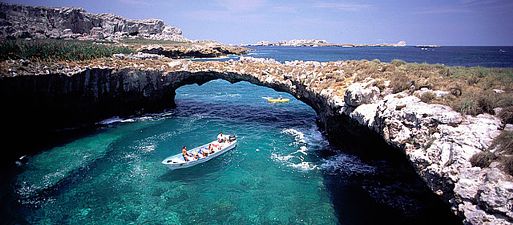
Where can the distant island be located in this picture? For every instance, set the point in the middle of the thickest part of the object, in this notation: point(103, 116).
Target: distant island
point(323, 43)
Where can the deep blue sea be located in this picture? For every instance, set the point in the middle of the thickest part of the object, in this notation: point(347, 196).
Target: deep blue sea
point(485, 56)
point(283, 170)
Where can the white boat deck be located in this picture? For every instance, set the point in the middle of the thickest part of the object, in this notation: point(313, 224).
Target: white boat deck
point(178, 162)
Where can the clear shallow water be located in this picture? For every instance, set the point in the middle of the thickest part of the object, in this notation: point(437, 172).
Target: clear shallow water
point(115, 175)
point(283, 171)
point(486, 56)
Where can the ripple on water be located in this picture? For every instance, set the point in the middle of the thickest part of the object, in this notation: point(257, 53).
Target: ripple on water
point(346, 164)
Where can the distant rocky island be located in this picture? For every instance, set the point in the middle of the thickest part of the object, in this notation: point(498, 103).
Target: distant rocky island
point(323, 43)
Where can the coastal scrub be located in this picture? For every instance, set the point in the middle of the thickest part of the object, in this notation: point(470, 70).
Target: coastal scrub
point(58, 50)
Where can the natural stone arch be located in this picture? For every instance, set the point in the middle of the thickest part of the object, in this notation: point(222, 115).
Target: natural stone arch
point(95, 94)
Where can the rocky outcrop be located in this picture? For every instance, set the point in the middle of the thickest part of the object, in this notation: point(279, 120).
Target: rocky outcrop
point(436, 140)
point(193, 50)
point(17, 21)
point(439, 142)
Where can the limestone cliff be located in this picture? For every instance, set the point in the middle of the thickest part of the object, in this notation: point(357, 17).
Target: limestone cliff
point(18, 21)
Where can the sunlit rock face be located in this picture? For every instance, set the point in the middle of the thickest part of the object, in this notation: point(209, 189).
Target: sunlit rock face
point(17, 21)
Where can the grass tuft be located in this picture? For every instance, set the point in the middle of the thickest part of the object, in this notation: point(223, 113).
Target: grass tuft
point(506, 114)
point(482, 159)
point(507, 164)
point(52, 49)
point(427, 97)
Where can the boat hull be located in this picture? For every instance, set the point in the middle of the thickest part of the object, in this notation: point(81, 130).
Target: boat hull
point(177, 161)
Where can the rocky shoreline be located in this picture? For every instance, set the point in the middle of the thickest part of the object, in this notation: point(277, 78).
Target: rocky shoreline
point(193, 50)
point(437, 140)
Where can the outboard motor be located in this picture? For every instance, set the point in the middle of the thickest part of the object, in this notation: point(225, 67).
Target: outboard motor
point(232, 138)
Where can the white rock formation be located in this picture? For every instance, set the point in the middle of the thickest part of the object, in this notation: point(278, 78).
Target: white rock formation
point(439, 142)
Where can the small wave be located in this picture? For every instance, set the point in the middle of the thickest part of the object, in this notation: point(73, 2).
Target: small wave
point(111, 120)
point(303, 150)
point(346, 164)
point(282, 158)
point(298, 135)
point(227, 96)
point(304, 166)
point(152, 116)
point(289, 159)
point(148, 148)
point(257, 53)
point(115, 119)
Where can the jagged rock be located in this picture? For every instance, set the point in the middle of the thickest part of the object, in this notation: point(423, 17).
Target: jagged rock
point(440, 142)
point(199, 50)
point(40, 22)
point(365, 114)
point(436, 93)
point(138, 55)
point(361, 93)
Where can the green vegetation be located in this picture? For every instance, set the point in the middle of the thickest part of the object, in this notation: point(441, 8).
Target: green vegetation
point(142, 41)
point(51, 49)
point(503, 153)
point(506, 114)
point(427, 97)
point(482, 159)
point(398, 62)
point(473, 90)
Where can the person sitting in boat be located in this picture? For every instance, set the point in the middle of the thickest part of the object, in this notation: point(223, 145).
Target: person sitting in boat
point(210, 149)
point(220, 137)
point(203, 152)
point(185, 154)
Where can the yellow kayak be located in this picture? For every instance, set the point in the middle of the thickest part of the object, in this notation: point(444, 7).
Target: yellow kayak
point(278, 100)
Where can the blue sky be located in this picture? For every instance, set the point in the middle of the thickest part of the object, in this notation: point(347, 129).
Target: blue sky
point(444, 22)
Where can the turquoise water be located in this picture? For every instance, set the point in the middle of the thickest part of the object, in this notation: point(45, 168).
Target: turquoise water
point(283, 170)
point(115, 175)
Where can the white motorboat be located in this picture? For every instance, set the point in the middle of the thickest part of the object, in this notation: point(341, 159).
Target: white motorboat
point(178, 162)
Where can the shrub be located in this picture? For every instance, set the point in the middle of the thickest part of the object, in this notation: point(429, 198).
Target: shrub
point(427, 97)
point(504, 143)
point(473, 80)
point(482, 159)
point(466, 106)
point(398, 62)
point(486, 103)
point(506, 114)
point(400, 82)
point(53, 49)
point(474, 101)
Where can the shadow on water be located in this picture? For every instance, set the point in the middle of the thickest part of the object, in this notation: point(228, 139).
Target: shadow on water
point(393, 194)
point(27, 141)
